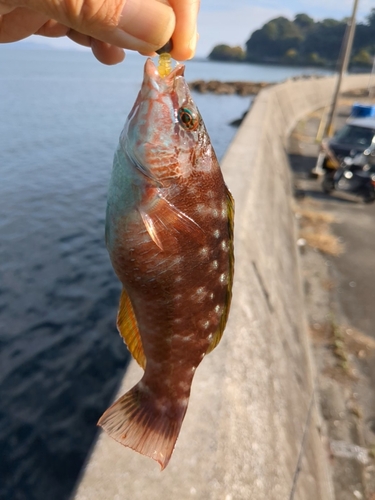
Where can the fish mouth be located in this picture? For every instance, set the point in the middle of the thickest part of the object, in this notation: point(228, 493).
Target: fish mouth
point(152, 73)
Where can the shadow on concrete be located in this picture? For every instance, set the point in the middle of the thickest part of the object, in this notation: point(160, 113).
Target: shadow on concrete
point(302, 165)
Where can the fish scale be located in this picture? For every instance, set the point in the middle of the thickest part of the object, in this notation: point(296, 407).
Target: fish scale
point(169, 233)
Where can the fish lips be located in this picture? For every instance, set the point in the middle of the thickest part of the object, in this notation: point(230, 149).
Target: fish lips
point(151, 74)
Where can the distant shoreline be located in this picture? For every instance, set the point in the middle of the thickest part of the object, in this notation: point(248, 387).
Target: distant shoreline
point(327, 67)
point(241, 88)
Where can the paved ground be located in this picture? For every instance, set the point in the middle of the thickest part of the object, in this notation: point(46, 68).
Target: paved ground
point(355, 269)
point(340, 295)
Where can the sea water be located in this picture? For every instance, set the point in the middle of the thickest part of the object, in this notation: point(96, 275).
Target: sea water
point(61, 359)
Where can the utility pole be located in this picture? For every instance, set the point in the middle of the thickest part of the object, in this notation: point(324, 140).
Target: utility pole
point(348, 44)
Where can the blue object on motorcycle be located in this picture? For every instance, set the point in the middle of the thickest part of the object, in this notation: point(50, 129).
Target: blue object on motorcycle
point(362, 110)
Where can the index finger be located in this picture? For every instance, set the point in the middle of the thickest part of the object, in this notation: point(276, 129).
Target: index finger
point(185, 34)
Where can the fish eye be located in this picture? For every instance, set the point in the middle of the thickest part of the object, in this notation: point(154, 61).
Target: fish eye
point(188, 118)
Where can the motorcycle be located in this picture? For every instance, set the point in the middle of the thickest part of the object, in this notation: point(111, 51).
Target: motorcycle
point(355, 175)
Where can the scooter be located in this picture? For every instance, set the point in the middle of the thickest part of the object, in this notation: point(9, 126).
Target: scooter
point(356, 175)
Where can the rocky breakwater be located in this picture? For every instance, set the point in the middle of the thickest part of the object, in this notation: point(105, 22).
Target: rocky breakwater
point(218, 87)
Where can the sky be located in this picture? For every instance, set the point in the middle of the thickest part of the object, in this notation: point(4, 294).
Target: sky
point(232, 21)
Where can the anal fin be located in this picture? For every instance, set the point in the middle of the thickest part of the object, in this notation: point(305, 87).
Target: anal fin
point(128, 329)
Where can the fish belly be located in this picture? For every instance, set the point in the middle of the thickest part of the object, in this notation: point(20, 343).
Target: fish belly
point(175, 266)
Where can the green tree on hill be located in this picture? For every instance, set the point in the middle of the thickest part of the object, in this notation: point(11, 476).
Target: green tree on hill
point(303, 21)
point(274, 40)
point(303, 41)
point(226, 53)
point(325, 39)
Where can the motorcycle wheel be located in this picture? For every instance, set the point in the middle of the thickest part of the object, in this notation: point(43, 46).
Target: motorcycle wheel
point(327, 184)
point(369, 197)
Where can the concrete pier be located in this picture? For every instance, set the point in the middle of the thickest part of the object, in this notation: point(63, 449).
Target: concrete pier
point(252, 427)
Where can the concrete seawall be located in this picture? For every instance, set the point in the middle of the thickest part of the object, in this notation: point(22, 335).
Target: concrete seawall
point(252, 428)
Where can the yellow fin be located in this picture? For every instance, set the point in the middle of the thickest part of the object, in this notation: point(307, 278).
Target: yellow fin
point(141, 422)
point(224, 318)
point(128, 328)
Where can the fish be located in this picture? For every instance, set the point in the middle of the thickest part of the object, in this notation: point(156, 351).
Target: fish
point(169, 233)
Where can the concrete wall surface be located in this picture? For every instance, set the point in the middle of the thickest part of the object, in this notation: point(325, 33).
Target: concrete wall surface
point(252, 427)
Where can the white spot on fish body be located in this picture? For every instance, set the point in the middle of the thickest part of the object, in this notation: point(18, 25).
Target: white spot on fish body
point(200, 208)
point(218, 309)
point(224, 213)
point(178, 279)
point(223, 278)
point(224, 246)
point(211, 296)
point(214, 264)
point(203, 251)
point(177, 297)
point(215, 213)
point(217, 233)
point(199, 294)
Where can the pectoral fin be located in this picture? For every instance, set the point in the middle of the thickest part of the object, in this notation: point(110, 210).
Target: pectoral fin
point(163, 220)
point(128, 328)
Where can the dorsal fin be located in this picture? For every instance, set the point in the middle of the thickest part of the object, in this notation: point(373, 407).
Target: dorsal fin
point(223, 321)
point(128, 329)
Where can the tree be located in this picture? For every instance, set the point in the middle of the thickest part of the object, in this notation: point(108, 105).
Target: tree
point(303, 41)
point(303, 21)
point(227, 53)
point(371, 21)
point(325, 39)
point(291, 56)
point(362, 58)
point(273, 40)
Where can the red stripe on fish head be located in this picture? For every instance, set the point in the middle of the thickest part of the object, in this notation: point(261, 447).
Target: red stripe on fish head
point(159, 130)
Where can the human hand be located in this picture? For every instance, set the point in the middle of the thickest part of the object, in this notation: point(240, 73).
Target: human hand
point(107, 26)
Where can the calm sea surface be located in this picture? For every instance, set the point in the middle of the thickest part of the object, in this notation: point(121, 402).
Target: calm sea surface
point(61, 358)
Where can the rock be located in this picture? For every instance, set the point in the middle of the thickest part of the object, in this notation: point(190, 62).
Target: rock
point(218, 87)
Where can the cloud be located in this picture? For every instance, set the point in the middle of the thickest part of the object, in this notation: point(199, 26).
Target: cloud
point(232, 25)
point(320, 9)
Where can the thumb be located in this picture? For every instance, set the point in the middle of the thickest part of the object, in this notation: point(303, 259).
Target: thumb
point(143, 25)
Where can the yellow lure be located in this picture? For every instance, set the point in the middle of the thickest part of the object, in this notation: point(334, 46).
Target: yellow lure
point(164, 64)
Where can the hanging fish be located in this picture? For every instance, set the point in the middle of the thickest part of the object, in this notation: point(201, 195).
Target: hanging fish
point(169, 233)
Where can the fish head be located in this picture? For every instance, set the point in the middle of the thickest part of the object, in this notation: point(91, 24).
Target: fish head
point(164, 131)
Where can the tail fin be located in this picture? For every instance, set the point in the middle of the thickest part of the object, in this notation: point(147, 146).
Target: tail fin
point(142, 422)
